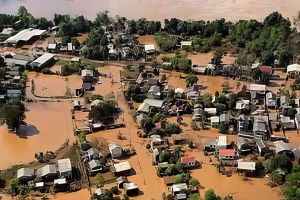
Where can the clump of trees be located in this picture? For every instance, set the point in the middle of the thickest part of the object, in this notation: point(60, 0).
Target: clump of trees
point(292, 191)
point(191, 79)
point(281, 162)
point(13, 113)
point(178, 63)
point(104, 111)
point(71, 68)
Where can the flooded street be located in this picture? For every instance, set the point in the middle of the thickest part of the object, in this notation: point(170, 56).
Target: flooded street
point(49, 125)
point(184, 9)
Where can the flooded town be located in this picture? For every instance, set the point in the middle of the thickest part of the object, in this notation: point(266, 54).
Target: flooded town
point(198, 100)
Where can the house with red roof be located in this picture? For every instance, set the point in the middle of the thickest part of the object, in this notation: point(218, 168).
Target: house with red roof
point(188, 161)
point(227, 156)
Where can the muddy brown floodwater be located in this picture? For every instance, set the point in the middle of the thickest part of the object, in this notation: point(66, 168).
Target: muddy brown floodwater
point(49, 125)
point(157, 9)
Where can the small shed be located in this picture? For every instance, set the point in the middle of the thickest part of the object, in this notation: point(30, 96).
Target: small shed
point(25, 174)
point(115, 150)
point(122, 168)
point(65, 168)
point(131, 189)
point(221, 142)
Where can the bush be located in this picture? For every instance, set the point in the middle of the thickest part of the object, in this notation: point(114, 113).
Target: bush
point(182, 178)
point(194, 182)
point(165, 156)
point(14, 186)
point(279, 162)
point(81, 137)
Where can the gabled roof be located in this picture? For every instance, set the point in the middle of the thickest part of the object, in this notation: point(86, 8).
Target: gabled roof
point(154, 102)
point(187, 159)
point(281, 146)
point(25, 172)
point(43, 59)
point(123, 166)
point(226, 152)
point(257, 87)
point(64, 165)
point(48, 169)
point(246, 165)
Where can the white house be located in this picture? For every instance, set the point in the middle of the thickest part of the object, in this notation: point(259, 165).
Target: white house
point(115, 150)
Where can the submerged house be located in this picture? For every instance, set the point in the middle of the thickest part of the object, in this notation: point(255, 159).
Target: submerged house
point(43, 61)
point(115, 150)
point(65, 168)
point(122, 168)
point(25, 174)
point(47, 172)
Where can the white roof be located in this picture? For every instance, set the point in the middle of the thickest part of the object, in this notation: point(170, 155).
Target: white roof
point(211, 110)
point(257, 87)
point(123, 166)
point(113, 146)
point(75, 59)
point(199, 69)
point(39, 184)
point(25, 35)
point(215, 119)
point(222, 140)
point(149, 47)
point(60, 181)
point(130, 186)
point(246, 165)
point(25, 172)
point(281, 146)
point(186, 43)
point(179, 187)
point(86, 72)
point(7, 31)
point(293, 68)
point(70, 47)
point(43, 59)
point(48, 169)
point(154, 102)
point(52, 46)
point(144, 107)
point(64, 165)
point(179, 90)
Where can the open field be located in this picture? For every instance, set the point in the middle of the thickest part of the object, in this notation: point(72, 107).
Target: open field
point(53, 85)
point(48, 126)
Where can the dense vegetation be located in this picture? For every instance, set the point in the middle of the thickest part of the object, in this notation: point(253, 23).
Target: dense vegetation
point(13, 113)
point(272, 41)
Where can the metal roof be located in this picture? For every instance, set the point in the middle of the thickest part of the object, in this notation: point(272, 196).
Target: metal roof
point(25, 172)
point(179, 187)
point(11, 61)
point(257, 87)
point(25, 35)
point(281, 146)
point(222, 140)
point(246, 165)
point(64, 165)
point(123, 166)
point(43, 59)
point(48, 169)
point(293, 68)
point(154, 102)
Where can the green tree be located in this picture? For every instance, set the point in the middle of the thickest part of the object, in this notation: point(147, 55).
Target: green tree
point(13, 113)
point(191, 79)
point(100, 180)
point(172, 170)
point(217, 57)
point(210, 195)
point(182, 178)
point(14, 186)
point(165, 156)
point(82, 137)
point(103, 111)
point(147, 124)
point(279, 162)
point(194, 182)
